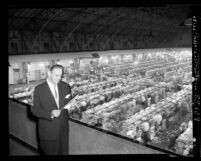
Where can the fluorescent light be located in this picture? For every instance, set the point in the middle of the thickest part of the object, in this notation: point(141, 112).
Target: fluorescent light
point(136, 62)
point(186, 22)
point(70, 62)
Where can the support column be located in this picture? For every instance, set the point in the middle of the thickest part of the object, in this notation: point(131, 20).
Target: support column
point(76, 64)
point(21, 73)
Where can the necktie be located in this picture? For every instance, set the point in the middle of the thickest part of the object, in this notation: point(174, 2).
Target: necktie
point(55, 92)
point(56, 96)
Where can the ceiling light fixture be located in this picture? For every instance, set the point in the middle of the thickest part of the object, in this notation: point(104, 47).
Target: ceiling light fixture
point(187, 22)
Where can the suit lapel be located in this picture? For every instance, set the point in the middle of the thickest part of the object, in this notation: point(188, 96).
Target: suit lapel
point(50, 95)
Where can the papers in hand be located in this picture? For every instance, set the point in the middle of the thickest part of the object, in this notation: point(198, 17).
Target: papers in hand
point(70, 103)
point(67, 106)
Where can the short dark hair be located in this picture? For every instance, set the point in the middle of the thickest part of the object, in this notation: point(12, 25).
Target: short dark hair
point(57, 66)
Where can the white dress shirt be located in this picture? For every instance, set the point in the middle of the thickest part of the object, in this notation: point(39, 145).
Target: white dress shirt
point(51, 85)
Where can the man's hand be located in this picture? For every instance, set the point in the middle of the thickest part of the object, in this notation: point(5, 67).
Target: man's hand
point(55, 113)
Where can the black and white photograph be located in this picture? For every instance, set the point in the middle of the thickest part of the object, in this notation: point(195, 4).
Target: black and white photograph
point(103, 80)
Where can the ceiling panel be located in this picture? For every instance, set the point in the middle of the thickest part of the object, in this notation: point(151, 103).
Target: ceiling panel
point(104, 20)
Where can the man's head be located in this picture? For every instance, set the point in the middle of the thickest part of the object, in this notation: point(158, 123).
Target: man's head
point(55, 73)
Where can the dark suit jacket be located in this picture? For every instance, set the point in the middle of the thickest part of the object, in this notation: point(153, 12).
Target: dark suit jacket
point(44, 103)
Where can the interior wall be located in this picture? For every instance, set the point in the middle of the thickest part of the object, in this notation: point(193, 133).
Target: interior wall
point(38, 63)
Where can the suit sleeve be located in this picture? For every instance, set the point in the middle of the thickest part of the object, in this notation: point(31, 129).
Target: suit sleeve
point(37, 109)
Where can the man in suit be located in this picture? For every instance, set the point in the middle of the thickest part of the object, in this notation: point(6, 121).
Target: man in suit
point(49, 98)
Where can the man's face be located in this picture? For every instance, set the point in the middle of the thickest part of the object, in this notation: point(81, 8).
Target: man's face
point(55, 75)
